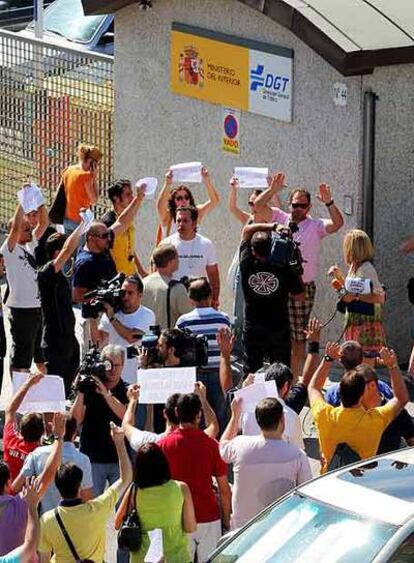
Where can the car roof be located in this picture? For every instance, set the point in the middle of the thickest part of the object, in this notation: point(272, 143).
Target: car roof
point(381, 487)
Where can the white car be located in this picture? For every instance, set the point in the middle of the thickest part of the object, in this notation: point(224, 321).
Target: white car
point(359, 514)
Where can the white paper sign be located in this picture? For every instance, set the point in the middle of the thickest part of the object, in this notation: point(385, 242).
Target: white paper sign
point(252, 394)
point(151, 185)
point(340, 94)
point(159, 384)
point(88, 219)
point(46, 396)
point(30, 198)
point(155, 551)
point(187, 172)
point(250, 177)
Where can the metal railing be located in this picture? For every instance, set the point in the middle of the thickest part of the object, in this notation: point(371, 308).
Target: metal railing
point(51, 99)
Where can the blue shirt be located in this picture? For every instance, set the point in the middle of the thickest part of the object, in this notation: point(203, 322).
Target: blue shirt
point(333, 398)
point(36, 461)
point(206, 321)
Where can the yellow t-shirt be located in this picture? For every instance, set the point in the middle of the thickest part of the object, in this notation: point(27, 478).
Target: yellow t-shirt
point(85, 524)
point(123, 252)
point(360, 429)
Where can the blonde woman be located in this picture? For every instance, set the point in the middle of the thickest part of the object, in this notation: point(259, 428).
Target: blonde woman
point(80, 183)
point(363, 312)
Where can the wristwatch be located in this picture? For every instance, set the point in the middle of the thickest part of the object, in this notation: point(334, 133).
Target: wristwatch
point(111, 319)
point(328, 358)
point(330, 203)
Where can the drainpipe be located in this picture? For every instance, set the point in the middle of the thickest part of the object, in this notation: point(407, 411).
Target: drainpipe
point(368, 162)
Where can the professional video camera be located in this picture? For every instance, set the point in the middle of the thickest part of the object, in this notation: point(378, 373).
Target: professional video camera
point(109, 292)
point(91, 366)
point(285, 251)
point(191, 348)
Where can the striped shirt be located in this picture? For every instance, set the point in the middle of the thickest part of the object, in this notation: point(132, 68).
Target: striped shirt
point(206, 321)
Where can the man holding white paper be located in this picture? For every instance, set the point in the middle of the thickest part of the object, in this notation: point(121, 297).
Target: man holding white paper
point(265, 466)
point(123, 250)
point(197, 254)
point(22, 296)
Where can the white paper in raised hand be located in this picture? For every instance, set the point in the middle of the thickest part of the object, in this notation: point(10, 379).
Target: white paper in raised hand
point(250, 177)
point(151, 185)
point(156, 385)
point(46, 396)
point(30, 198)
point(155, 551)
point(252, 394)
point(187, 172)
point(88, 218)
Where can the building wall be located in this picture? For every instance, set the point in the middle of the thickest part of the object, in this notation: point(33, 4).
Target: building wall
point(394, 183)
point(155, 128)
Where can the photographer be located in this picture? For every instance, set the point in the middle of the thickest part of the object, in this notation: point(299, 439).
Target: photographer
point(266, 288)
point(98, 403)
point(126, 326)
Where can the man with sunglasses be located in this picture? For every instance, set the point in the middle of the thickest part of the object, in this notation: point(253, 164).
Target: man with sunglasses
point(309, 234)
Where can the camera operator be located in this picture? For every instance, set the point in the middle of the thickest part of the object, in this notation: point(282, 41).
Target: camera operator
point(309, 234)
point(94, 263)
point(126, 326)
point(97, 404)
point(266, 288)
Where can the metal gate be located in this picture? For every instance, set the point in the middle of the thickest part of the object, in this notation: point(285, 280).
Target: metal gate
point(51, 99)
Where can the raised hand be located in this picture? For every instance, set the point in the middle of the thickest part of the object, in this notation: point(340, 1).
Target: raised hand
point(388, 358)
point(313, 330)
point(324, 195)
point(133, 392)
point(333, 350)
point(225, 341)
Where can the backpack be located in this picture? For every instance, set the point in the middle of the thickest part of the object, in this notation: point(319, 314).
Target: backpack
point(343, 455)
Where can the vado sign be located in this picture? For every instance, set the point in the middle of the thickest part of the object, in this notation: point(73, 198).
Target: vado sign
point(232, 71)
point(231, 131)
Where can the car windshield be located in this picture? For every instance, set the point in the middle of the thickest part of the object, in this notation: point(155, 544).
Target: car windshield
point(66, 18)
point(300, 529)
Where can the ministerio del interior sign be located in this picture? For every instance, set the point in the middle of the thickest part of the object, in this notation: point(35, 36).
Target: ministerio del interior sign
point(232, 71)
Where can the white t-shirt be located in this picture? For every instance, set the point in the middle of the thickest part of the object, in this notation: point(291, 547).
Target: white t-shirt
point(264, 470)
point(21, 274)
point(293, 429)
point(194, 255)
point(142, 319)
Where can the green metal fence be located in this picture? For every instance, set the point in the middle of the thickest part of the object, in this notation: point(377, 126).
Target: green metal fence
point(51, 99)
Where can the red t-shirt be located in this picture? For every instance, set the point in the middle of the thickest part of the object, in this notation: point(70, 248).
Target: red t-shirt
point(15, 449)
point(194, 458)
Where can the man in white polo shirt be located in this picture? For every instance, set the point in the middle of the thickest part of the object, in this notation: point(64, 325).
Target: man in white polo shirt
point(197, 254)
point(309, 234)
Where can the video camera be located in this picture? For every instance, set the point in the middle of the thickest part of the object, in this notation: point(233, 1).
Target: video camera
point(191, 348)
point(91, 366)
point(285, 251)
point(109, 292)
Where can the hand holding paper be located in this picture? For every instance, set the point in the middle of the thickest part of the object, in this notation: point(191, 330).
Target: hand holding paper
point(187, 172)
point(30, 197)
point(250, 177)
point(46, 392)
point(150, 184)
point(252, 394)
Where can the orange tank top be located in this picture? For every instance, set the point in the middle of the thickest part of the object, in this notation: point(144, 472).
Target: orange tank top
point(75, 180)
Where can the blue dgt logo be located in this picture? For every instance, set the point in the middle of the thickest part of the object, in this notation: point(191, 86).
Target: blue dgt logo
point(257, 78)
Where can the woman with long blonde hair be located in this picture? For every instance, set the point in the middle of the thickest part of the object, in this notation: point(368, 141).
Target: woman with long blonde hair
point(363, 311)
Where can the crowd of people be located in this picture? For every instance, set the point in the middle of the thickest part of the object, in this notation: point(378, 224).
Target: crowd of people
point(203, 463)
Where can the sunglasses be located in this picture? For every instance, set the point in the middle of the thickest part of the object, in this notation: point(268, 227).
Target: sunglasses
point(102, 236)
point(299, 205)
point(182, 198)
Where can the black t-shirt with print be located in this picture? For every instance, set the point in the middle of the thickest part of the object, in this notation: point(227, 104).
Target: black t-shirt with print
point(266, 289)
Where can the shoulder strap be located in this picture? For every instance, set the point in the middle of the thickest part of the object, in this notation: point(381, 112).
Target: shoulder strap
point(171, 284)
point(66, 535)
